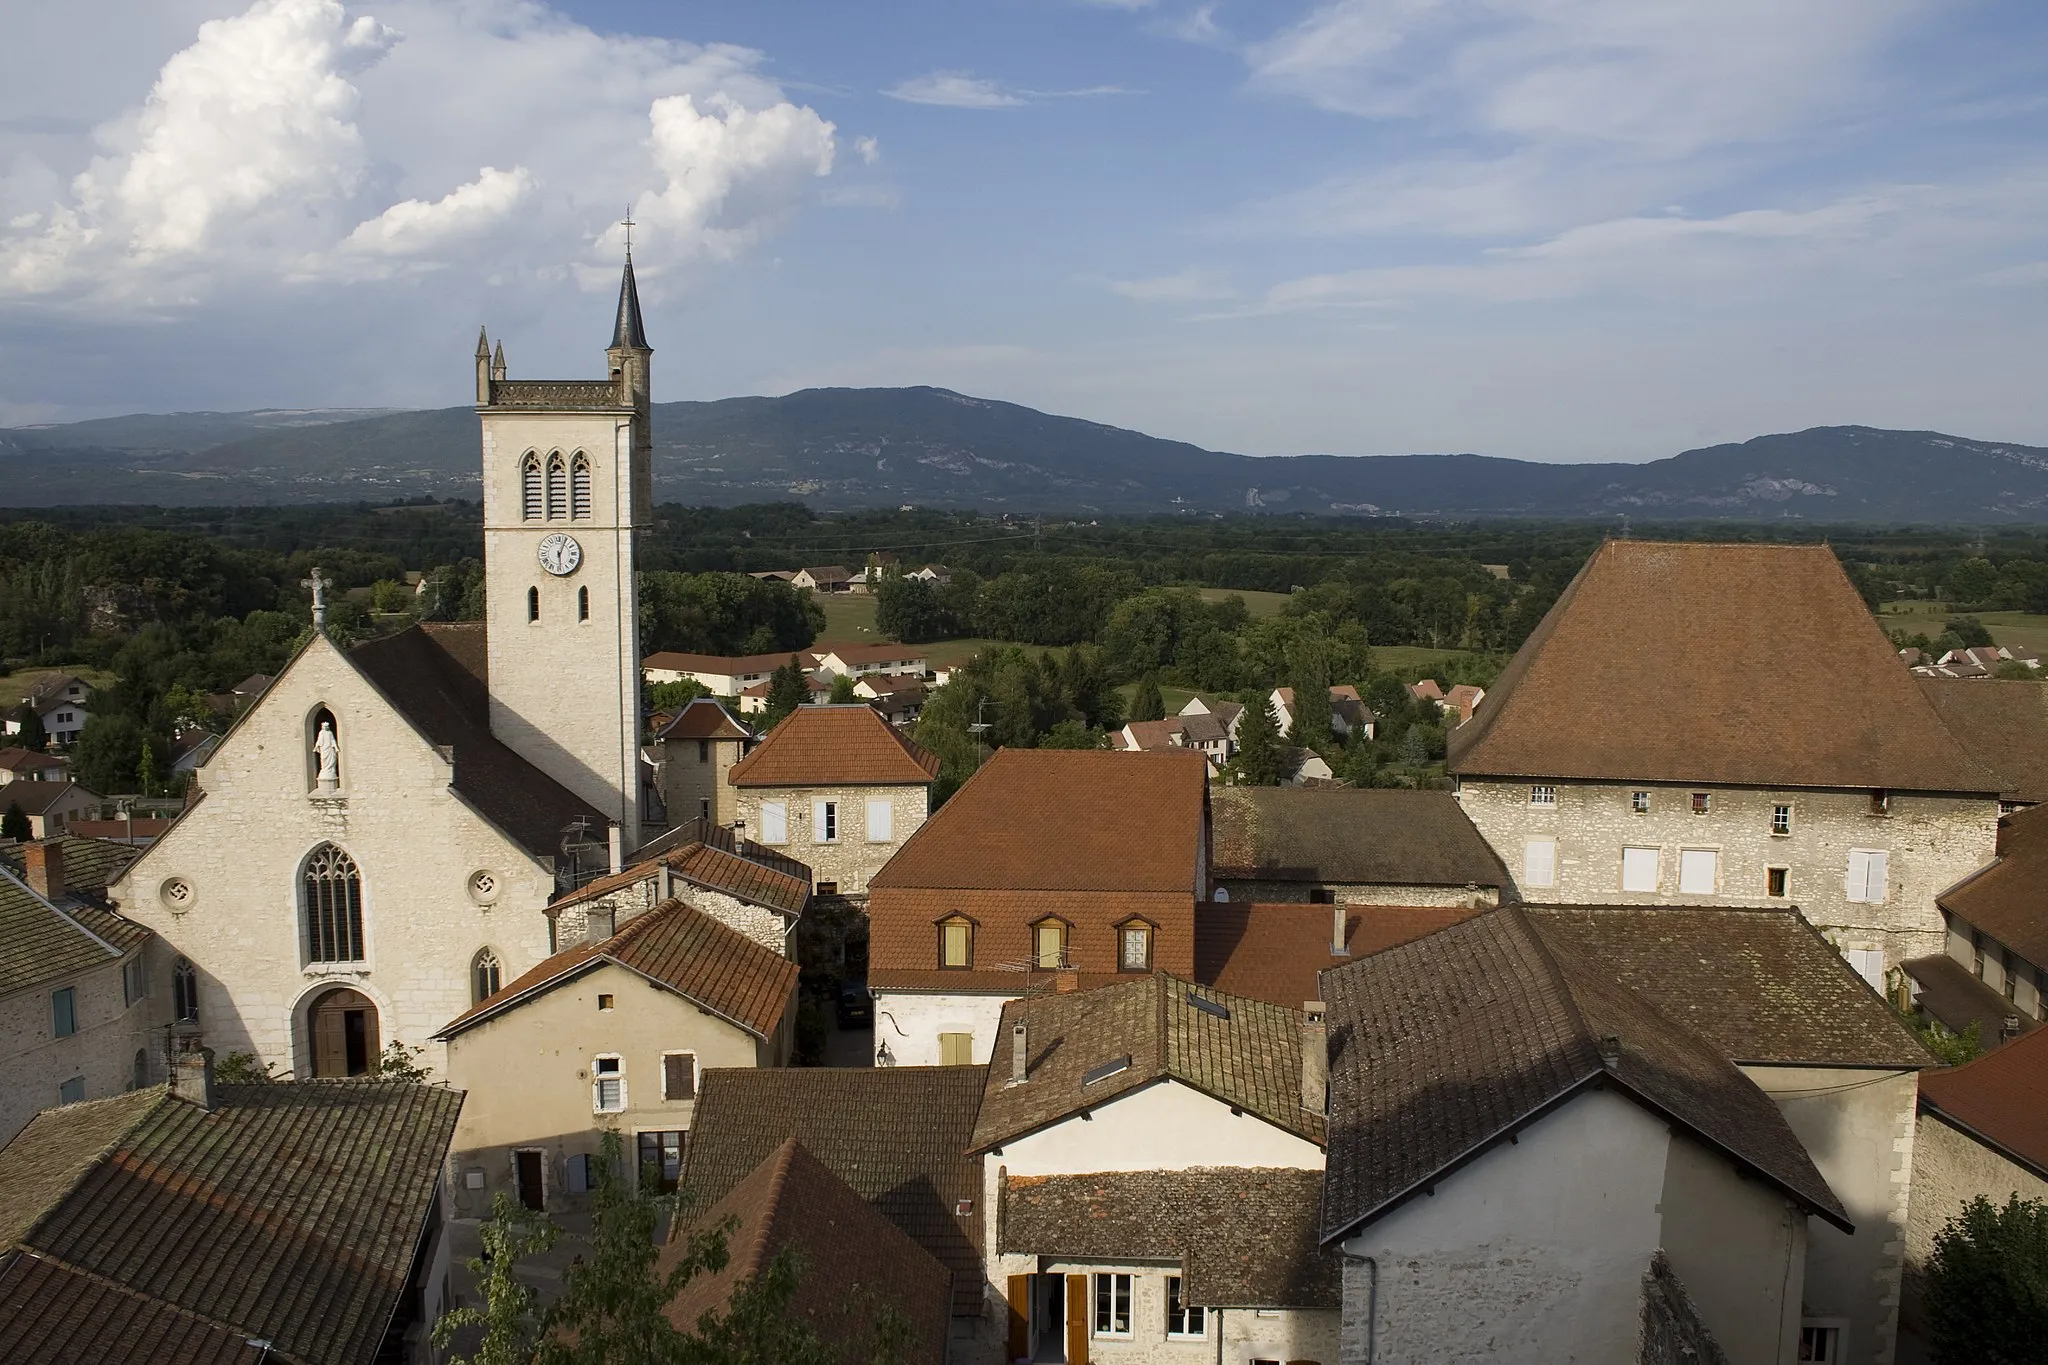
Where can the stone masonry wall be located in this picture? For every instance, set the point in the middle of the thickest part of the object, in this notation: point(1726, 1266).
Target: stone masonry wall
point(1932, 842)
point(34, 1062)
point(1275, 892)
point(1950, 1168)
point(851, 859)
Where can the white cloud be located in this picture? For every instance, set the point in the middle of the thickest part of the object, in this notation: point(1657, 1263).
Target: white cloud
point(955, 90)
point(1192, 285)
point(414, 226)
point(868, 150)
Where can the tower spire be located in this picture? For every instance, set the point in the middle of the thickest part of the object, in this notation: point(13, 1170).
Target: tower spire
point(628, 332)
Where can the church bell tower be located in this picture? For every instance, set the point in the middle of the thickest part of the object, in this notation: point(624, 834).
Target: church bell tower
point(567, 480)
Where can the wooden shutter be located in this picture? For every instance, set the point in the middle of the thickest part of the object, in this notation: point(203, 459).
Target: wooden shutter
point(820, 820)
point(1077, 1320)
point(1019, 1295)
point(679, 1076)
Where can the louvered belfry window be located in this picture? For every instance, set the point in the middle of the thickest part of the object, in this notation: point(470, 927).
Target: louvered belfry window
point(579, 488)
point(529, 488)
point(558, 488)
point(334, 907)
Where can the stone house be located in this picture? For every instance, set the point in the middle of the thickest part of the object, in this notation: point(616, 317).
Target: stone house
point(51, 807)
point(610, 1034)
point(1992, 971)
point(826, 578)
point(202, 1222)
point(1721, 769)
point(1348, 711)
point(74, 989)
point(1152, 1164)
point(747, 888)
point(698, 750)
point(838, 787)
point(1047, 865)
point(1350, 846)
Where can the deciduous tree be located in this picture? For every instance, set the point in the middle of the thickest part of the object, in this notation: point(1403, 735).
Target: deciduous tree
point(1987, 1284)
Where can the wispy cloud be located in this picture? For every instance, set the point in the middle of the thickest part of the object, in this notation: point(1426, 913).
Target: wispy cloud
point(1195, 284)
point(963, 90)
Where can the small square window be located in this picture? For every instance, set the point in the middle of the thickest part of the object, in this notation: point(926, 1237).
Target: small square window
point(1702, 802)
point(1777, 882)
point(1781, 819)
point(605, 1002)
point(1639, 802)
point(828, 888)
point(1321, 895)
point(1880, 802)
point(1542, 795)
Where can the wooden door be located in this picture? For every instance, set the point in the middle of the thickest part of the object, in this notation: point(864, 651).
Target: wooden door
point(1077, 1319)
point(531, 1192)
point(344, 1035)
point(1019, 1295)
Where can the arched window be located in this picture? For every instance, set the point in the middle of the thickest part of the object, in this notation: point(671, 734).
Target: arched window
point(483, 976)
point(333, 894)
point(185, 991)
point(583, 604)
point(533, 604)
point(558, 487)
point(140, 1080)
point(579, 487)
point(529, 487)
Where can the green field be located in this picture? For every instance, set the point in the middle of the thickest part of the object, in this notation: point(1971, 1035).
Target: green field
point(26, 680)
point(849, 619)
point(1257, 603)
point(1412, 663)
point(2006, 627)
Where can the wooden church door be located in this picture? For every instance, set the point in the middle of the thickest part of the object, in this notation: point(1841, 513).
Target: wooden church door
point(344, 1035)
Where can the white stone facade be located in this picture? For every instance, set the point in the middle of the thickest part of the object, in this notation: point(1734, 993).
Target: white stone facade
point(240, 853)
point(1291, 892)
point(1929, 843)
point(614, 910)
point(856, 849)
point(917, 1021)
point(35, 1063)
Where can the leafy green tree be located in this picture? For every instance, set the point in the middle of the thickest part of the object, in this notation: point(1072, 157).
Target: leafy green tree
point(1071, 734)
point(2012, 670)
point(1972, 581)
point(1970, 631)
point(674, 696)
point(842, 690)
point(105, 757)
point(244, 1068)
point(14, 824)
point(1259, 756)
point(1148, 704)
point(912, 610)
point(1414, 746)
point(401, 1063)
point(390, 595)
point(1987, 1284)
point(33, 736)
point(725, 613)
point(145, 768)
point(1953, 1049)
point(1361, 763)
point(511, 1316)
point(787, 690)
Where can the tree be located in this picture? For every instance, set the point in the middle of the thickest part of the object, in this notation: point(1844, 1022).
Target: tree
point(674, 696)
point(1071, 734)
point(1148, 704)
point(2012, 670)
point(34, 737)
point(1414, 746)
point(1259, 755)
point(842, 690)
point(1987, 1284)
point(401, 1063)
point(911, 610)
point(105, 758)
point(14, 824)
point(511, 1315)
point(1310, 678)
point(787, 690)
point(145, 769)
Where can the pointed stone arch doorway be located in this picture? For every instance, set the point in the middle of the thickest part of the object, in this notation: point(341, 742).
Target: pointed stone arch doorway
point(343, 1024)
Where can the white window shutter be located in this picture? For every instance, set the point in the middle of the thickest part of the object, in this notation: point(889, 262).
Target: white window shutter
point(819, 832)
point(1869, 876)
point(1639, 869)
point(881, 819)
point(1698, 870)
point(1539, 862)
point(1869, 964)
point(774, 822)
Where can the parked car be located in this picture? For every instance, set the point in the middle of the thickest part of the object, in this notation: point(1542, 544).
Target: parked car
point(856, 1006)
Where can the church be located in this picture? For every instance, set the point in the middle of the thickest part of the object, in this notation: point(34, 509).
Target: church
point(374, 839)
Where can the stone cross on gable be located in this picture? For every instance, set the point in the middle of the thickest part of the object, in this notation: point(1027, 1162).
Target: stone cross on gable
point(319, 586)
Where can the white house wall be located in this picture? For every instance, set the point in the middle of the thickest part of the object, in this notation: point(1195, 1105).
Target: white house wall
point(909, 1024)
point(1165, 1126)
point(1739, 1247)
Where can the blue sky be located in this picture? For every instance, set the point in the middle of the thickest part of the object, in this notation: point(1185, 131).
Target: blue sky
point(1556, 229)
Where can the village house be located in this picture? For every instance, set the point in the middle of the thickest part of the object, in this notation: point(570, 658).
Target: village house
point(217, 1223)
point(861, 661)
point(1046, 865)
point(614, 1033)
point(58, 703)
point(897, 697)
point(750, 889)
point(828, 579)
point(1723, 769)
point(723, 675)
point(840, 788)
point(1992, 970)
point(51, 807)
point(698, 749)
point(89, 865)
point(1351, 846)
point(74, 982)
point(1212, 733)
point(1348, 712)
point(936, 574)
point(1153, 1155)
point(1276, 952)
point(753, 700)
point(26, 765)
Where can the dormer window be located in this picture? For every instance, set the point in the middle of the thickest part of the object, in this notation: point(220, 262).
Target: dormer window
point(956, 943)
point(1134, 946)
point(1049, 944)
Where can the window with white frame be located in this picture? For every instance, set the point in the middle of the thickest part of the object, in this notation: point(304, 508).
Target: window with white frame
point(1869, 873)
point(881, 820)
point(607, 1084)
point(1542, 795)
point(1639, 869)
point(774, 822)
point(1699, 871)
point(1639, 802)
point(824, 822)
point(1868, 964)
point(1112, 1305)
point(1184, 1322)
point(1820, 1342)
point(1781, 820)
point(1539, 862)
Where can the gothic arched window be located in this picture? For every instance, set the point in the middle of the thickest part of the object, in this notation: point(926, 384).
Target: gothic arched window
point(579, 487)
point(484, 976)
point(185, 991)
point(529, 487)
point(558, 488)
point(333, 896)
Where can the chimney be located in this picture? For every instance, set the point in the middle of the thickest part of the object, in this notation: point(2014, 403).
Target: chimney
point(664, 885)
point(1019, 1055)
point(616, 839)
point(43, 868)
point(1610, 1050)
point(192, 1077)
point(1315, 1059)
point(1338, 946)
point(1066, 981)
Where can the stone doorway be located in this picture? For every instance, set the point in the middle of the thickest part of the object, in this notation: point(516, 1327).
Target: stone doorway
point(344, 1028)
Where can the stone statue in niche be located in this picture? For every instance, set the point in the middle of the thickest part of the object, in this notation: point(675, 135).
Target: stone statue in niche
point(328, 750)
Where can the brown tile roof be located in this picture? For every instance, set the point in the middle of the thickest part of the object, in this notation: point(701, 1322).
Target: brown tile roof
point(288, 1212)
point(1274, 952)
point(1245, 1237)
point(35, 797)
point(1948, 992)
point(14, 758)
point(715, 869)
point(735, 665)
point(90, 864)
point(2003, 724)
point(898, 1136)
point(903, 937)
point(1243, 1052)
point(41, 943)
point(1151, 736)
point(2008, 897)
point(48, 1158)
point(434, 675)
point(1683, 645)
point(676, 946)
point(835, 746)
point(63, 1316)
point(857, 655)
point(1063, 820)
point(705, 718)
point(1763, 986)
point(1998, 1099)
point(1442, 1047)
point(1340, 836)
point(793, 1202)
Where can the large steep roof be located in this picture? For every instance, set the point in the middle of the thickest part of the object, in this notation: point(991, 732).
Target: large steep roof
point(1348, 836)
point(2003, 723)
point(1752, 665)
point(1999, 1099)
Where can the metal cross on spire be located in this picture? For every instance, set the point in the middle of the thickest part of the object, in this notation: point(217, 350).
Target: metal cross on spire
point(628, 224)
point(319, 586)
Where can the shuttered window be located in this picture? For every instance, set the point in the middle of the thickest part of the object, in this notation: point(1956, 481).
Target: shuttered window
point(956, 1049)
point(1639, 869)
point(824, 822)
point(579, 489)
point(529, 488)
point(774, 822)
point(558, 488)
point(1539, 862)
point(1699, 871)
point(1869, 873)
point(679, 1075)
point(608, 1085)
point(881, 819)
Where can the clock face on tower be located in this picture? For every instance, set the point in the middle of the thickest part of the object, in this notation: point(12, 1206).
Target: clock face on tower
point(560, 554)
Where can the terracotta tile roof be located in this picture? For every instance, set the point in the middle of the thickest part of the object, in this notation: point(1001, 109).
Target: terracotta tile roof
point(1947, 991)
point(793, 1202)
point(705, 718)
point(2008, 897)
point(898, 1136)
point(1243, 1052)
point(1761, 985)
point(1063, 820)
point(434, 675)
point(1444, 1046)
point(62, 1316)
point(1998, 1099)
point(674, 945)
point(41, 943)
point(902, 932)
point(1245, 1237)
point(2003, 724)
point(1346, 836)
point(1684, 647)
point(288, 1212)
point(715, 869)
point(835, 746)
point(1151, 736)
point(1274, 952)
point(734, 665)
